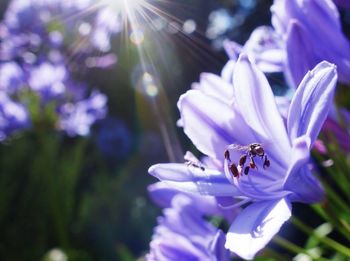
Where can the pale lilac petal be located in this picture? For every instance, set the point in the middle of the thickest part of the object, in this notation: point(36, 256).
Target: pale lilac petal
point(214, 85)
point(263, 184)
point(265, 47)
point(255, 226)
point(306, 188)
point(163, 195)
point(312, 101)
point(270, 61)
point(227, 72)
point(312, 12)
point(184, 214)
point(321, 13)
point(217, 247)
point(283, 104)
point(254, 97)
point(281, 13)
point(328, 44)
point(194, 180)
point(232, 49)
point(300, 51)
point(210, 123)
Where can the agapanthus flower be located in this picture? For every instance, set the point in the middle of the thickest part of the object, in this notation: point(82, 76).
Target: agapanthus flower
point(13, 116)
point(12, 77)
point(264, 47)
point(107, 22)
point(76, 118)
point(295, 44)
point(333, 129)
point(37, 38)
point(162, 194)
point(220, 117)
point(30, 26)
point(299, 23)
point(342, 3)
point(48, 80)
point(184, 234)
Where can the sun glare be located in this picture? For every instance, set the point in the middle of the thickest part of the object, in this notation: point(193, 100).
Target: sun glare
point(124, 5)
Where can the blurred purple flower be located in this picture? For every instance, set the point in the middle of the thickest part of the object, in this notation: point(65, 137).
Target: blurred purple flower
point(106, 23)
point(37, 37)
point(299, 22)
point(13, 116)
point(183, 234)
point(333, 129)
point(76, 118)
point(11, 77)
point(46, 25)
point(219, 115)
point(48, 80)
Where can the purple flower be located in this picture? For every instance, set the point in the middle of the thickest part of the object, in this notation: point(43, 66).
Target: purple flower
point(333, 129)
point(219, 118)
point(264, 46)
point(33, 37)
point(107, 22)
point(163, 194)
point(12, 77)
point(30, 26)
point(183, 234)
point(48, 80)
point(299, 22)
point(77, 117)
point(13, 117)
point(342, 3)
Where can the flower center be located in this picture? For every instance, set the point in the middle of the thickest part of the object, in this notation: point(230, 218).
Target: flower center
point(250, 152)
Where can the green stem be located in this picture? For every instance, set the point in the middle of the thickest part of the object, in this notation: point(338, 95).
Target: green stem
point(337, 223)
point(327, 241)
point(291, 247)
point(335, 198)
point(274, 254)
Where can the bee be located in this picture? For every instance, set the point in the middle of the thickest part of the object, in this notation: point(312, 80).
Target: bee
point(251, 151)
point(191, 160)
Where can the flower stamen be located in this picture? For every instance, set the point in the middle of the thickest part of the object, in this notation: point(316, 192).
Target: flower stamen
point(252, 151)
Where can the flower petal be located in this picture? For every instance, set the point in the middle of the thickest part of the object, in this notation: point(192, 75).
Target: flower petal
point(254, 98)
point(163, 195)
point(343, 3)
point(265, 47)
point(256, 225)
point(232, 49)
point(211, 124)
point(300, 52)
point(214, 85)
point(192, 179)
point(312, 101)
point(305, 187)
point(217, 247)
point(227, 72)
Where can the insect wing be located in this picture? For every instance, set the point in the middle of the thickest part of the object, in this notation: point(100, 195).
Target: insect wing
point(238, 147)
point(190, 157)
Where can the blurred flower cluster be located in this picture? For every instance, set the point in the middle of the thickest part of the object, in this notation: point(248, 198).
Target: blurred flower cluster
point(256, 146)
point(44, 47)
